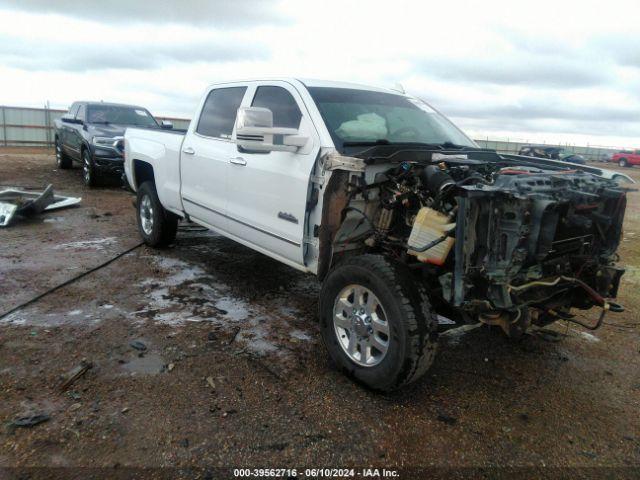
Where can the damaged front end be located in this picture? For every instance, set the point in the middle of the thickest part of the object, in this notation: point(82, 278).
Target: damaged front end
point(497, 240)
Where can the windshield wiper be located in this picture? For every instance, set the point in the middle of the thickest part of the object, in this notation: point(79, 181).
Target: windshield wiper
point(449, 145)
point(367, 143)
point(384, 141)
point(101, 122)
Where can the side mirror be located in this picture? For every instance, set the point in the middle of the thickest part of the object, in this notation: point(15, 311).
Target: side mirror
point(255, 132)
point(75, 121)
point(166, 125)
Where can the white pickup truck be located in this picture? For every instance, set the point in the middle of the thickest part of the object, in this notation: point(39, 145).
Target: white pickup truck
point(397, 212)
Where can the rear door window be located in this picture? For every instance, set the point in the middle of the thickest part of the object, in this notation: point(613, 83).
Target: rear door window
point(219, 112)
point(82, 112)
point(284, 107)
point(73, 110)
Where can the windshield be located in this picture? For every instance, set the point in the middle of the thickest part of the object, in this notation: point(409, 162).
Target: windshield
point(120, 115)
point(361, 116)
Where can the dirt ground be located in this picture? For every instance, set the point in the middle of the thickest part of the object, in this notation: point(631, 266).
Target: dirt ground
point(234, 374)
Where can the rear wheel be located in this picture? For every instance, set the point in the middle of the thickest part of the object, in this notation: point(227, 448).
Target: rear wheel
point(623, 162)
point(376, 322)
point(157, 226)
point(62, 160)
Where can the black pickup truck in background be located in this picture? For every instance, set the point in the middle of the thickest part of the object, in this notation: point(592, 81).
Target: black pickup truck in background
point(92, 133)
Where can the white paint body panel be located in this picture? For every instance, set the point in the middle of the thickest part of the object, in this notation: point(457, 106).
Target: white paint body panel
point(244, 202)
point(271, 186)
point(162, 151)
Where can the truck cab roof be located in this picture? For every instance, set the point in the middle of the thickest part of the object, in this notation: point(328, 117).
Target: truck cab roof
point(313, 82)
point(110, 104)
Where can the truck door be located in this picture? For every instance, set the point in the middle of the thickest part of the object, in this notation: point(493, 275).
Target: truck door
point(204, 159)
point(75, 137)
point(66, 129)
point(267, 192)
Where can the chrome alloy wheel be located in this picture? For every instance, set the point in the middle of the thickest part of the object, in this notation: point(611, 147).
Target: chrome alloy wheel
point(86, 171)
point(58, 154)
point(361, 325)
point(146, 215)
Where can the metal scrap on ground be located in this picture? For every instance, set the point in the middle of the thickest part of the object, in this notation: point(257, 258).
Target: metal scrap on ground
point(28, 421)
point(15, 201)
point(75, 373)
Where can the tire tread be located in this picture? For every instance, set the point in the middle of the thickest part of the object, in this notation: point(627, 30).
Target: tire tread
point(165, 226)
point(420, 322)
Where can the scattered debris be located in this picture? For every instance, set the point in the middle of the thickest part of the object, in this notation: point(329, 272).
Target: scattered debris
point(15, 201)
point(587, 336)
point(548, 335)
point(29, 421)
point(75, 373)
point(445, 321)
point(138, 345)
point(588, 454)
point(74, 395)
point(278, 446)
point(454, 334)
point(211, 382)
point(170, 367)
point(449, 420)
point(234, 335)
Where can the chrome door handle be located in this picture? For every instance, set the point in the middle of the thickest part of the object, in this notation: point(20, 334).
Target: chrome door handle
point(188, 150)
point(238, 161)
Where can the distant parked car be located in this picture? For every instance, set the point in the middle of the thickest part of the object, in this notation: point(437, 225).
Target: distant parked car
point(541, 151)
point(573, 158)
point(553, 153)
point(627, 158)
point(92, 133)
point(605, 157)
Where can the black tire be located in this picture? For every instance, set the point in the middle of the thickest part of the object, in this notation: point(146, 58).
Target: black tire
point(89, 176)
point(164, 224)
point(412, 325)
point(62, 160)
point(623, 162)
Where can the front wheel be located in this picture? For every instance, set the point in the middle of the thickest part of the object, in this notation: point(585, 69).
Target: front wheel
point(623, 162)
point(376, 322)
point(157, 226)
point(88, 169)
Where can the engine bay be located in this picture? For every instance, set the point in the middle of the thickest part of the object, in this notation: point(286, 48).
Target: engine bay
point(499, 241)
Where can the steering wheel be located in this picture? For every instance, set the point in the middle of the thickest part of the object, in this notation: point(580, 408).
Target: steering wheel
point(408, 129)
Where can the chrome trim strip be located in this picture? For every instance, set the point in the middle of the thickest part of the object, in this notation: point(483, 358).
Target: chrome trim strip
point(184, 199)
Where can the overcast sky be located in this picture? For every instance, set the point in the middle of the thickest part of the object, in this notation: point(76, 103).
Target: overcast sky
point(534, 70)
